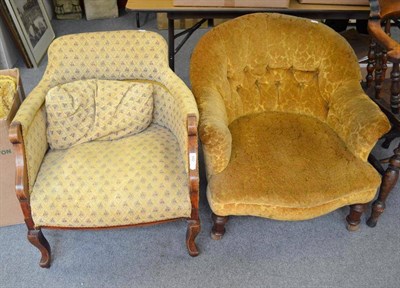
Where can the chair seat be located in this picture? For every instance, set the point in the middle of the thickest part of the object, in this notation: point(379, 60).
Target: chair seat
point(133, 180)
point(288, 167)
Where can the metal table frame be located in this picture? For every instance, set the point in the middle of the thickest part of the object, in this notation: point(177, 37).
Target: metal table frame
point(209, 13)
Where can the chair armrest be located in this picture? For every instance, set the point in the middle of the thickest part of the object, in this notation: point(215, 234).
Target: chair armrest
point(175, 115)
point(31, 121)
point(356, 119)
point(214, 132)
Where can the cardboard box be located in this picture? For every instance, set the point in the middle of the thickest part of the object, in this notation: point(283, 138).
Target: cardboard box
point(234, 3)
point(10, 210)
point(100, 9)
point(336, 2)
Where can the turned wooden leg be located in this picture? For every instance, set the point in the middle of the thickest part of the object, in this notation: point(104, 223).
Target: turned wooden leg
point(192, 231)
point(389, 180)
point(371, 63)
point(218, 230)
point(354, 217)
point(37, 239)
point(395, 89)
point(378, 71)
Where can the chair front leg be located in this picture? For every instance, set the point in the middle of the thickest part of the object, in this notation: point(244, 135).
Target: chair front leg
point(354, 217)
point(35, 236)
point(39, 241)
point(218, 229)
point(193, 230)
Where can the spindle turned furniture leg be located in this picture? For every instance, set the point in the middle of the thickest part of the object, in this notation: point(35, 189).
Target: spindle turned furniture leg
point(192, 231)
point(39, 241)
point(378, 71)
point(218, 230)
point(371, 63)
point(389, 180)
point(395, 89)
point(354, 217)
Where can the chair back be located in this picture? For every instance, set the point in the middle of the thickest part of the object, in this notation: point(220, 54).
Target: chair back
point(261, 62)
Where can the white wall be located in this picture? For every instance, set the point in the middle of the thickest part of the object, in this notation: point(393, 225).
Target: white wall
point(9, 54)
point(49, 7)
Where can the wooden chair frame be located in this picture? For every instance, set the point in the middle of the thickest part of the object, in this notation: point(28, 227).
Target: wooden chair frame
point(382, 49)
point(35, 235)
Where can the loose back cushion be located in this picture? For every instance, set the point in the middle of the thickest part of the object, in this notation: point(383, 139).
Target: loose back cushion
point(87, 110)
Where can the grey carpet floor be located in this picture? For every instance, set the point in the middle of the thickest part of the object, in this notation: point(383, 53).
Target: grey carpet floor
point(255, 252)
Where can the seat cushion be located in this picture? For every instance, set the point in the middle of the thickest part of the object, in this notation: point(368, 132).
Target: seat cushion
point(137, 179)
point(288, 167)
point(87, 110)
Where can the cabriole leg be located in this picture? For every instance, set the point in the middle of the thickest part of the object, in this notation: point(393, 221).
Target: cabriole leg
point(218, 230)
point(37, 239)
point(192, 231)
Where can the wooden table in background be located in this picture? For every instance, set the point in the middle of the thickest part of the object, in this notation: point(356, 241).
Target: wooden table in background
point(179, 12)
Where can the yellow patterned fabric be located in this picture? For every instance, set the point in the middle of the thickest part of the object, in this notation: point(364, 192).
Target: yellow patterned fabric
point(87, 110)
point(136, 179)
point(271, 63)
point(8, 87)
point(116, 55)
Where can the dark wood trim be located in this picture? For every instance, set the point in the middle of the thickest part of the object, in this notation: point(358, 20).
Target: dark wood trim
point(21, 173)
point(218, 229)
point(389, 180)
point(37, 239)
point(354, 217)
point(193, 230)
point(193, 173)
point(381, 14)
point(194, 226)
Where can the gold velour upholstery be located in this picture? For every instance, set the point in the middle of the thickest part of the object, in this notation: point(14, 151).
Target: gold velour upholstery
point(118, 179)
point(285, 126)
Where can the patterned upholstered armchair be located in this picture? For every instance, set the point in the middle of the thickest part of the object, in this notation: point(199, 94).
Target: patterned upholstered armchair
point(137, 179)
point(285, 126)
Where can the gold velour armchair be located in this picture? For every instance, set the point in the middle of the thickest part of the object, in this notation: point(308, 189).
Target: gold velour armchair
point(286, 128)
point(139, 179)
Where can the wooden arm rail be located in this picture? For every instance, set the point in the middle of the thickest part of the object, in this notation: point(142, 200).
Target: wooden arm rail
point(21, 174)
point(193, 165)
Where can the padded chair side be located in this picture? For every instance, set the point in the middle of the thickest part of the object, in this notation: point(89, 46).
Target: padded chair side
point(173, 104)
point(31, 116)
point(356, 119)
